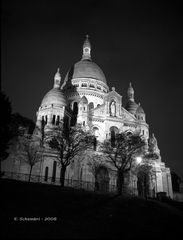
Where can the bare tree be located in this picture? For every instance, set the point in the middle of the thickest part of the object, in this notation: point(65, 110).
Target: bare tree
point(70, 143)
point(121, 151)
point(30, 152)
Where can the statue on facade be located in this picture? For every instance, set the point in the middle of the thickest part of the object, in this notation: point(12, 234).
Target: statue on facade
point(113, 109)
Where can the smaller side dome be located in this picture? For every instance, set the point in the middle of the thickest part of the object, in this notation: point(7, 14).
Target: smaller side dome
point(131, 107)
point(55, 96)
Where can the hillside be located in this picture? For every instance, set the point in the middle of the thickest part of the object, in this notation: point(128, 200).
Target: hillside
point(77, 214)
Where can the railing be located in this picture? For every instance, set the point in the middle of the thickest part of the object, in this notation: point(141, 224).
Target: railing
point(78, 184)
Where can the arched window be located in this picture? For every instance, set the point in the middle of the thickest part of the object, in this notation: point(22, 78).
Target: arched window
point(98, 105)
point(91, 105)
point(46, 174)
point(84, 85)
point(113, 130)
point(46, 119)
point(53, 119)
point(42, 123)
point(96, 134)
point(75, 108)
point(92, 85)
point(58, 120)
point(54, 171)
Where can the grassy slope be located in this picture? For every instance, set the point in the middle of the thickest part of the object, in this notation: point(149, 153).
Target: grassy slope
point(84, 215)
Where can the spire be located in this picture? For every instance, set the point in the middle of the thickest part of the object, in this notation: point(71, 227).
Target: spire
point(86, 49)
point(130, 92)
point(57, 79)
point(153, 145)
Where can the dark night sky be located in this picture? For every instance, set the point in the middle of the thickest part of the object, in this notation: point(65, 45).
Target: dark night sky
point(131, 41)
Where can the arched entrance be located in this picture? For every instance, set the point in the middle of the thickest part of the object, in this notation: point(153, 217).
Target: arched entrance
point(113, 131)
point(143, 184)
point(102, 180)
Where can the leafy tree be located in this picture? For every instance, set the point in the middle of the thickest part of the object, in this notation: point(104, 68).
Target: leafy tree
point(5, 119)
point(69, 143)
point(121, 151)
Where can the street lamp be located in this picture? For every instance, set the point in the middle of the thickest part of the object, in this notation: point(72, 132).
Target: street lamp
point(138, 159)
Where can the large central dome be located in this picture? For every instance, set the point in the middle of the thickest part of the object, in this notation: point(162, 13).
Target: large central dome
point(85, 69)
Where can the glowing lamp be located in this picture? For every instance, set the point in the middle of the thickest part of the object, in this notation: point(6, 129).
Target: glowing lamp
point(138, 159)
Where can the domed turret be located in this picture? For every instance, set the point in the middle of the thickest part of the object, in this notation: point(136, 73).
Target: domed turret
point(55, 96)
point(131, 105)
point(140, 114)
point(52, 109)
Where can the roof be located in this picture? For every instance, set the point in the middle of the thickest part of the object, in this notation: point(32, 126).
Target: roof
point(85, 69)
point(131, 106)
point(54, 96)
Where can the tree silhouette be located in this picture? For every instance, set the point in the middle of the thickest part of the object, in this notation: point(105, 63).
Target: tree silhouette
point(121, 152)
point(20, 124)
point(5, 120)
point(70, 143)
point(30, 152)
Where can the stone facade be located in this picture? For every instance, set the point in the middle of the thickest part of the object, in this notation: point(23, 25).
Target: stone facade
point(85, 94)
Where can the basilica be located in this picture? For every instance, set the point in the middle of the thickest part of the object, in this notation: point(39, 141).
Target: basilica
point(84, 97)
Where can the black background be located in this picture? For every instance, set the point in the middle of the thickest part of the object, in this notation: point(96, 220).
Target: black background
point(132, 41)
